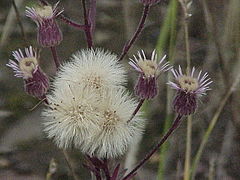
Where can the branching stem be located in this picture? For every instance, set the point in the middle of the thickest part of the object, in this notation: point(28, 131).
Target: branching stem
point(137, 32)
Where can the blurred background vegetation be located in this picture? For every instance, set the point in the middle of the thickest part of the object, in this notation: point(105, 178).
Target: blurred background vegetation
point(214, 36)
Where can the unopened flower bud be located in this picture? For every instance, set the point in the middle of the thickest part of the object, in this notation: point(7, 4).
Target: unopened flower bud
point(36, 82)
point(189, 89)
point(149, 70)
point(49, 33)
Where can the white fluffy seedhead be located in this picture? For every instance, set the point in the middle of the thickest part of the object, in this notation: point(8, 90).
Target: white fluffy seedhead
point(115, 133)
point(93, 69)
point(71, 115)
point(89, 109)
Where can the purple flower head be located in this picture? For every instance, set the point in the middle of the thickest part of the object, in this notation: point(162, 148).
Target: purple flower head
point(189, 88)
point(49, 33)
point(149, 70)
point(26, 66)
point(149, 2)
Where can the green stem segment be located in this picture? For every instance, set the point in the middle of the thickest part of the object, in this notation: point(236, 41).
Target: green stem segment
point(187, 162)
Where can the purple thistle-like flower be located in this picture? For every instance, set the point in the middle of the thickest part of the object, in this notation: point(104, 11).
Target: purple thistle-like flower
point(189, 88)
point(149, 2)
point(49, 33)
point(146, 86)
point(36, 83)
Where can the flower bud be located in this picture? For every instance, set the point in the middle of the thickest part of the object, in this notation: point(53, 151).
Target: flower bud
point(49, 33)
point(149, 70)
point(189, 89)
point(36, 82)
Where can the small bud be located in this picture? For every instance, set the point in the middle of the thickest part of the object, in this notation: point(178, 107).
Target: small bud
point(146, 86)
point(36, 82)
point(189, 89)
point(49, 33)
point(149, 2)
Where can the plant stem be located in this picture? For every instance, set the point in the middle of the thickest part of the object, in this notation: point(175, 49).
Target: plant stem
point(186, 34)
point(212, 125)
point(72, 23)
point(137, 109)
point(88, 26)
point(55, 56)
point(187, 162)
point(140, 27)
point(174, 126)
point(189, 119)
point(70, 165)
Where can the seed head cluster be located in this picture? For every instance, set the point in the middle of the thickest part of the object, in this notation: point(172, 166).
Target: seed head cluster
point(89, 107)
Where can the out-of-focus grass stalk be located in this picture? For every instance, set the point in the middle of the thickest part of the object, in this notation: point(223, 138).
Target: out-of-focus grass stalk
point(211, 173)
point(212, 31)
point(51, 169)
point(24, 37)
point(9, 24)
point(186, 4)
point(212, 125)
point(169, 22)
point(165, 32)
point(71, 165)
point(187, 162)
point(128, 19)
point(229, 37)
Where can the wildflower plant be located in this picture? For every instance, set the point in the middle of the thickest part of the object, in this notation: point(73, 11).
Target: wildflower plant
point(88, 107)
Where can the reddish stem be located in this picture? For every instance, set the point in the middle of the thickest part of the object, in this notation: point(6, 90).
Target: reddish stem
point(137, 109)
point(55, 56)
point(88, 26)
point(72, 23)
point(137, 32)
point(156, 147)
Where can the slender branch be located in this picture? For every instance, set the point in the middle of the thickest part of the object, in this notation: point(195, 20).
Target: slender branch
point(88, 26)
point(55, 56)
point(137, 109)
point(70, 165)
point(174, 126)
point(92, 16)
point(72, 23)
point(20, 22)
point(140, 27)
point(187, 45)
